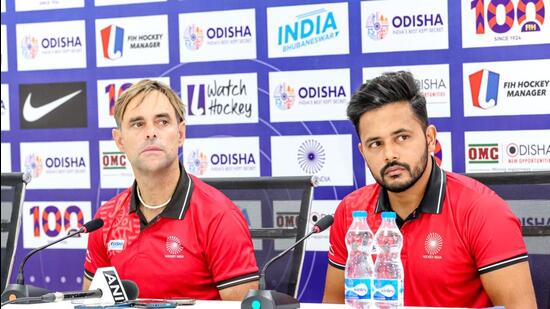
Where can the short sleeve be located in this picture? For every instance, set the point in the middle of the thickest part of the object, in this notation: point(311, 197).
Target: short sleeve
point(96, 254)
point(230, 252)
point(338, 253)
point(494, 234)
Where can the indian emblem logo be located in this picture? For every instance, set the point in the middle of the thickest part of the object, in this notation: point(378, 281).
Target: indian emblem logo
point(433, 245)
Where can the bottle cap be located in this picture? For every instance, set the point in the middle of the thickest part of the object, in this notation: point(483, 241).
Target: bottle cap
point(388, 215)
point(359, 214)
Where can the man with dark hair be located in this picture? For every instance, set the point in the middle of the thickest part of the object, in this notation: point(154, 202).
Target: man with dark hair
point(462, 244)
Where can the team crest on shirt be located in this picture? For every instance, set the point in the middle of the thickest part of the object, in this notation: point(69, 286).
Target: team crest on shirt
point(173, 247)
point(432, 246)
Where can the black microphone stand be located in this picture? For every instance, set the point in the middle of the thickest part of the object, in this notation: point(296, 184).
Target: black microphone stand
point(20, 289)
point(271, 299)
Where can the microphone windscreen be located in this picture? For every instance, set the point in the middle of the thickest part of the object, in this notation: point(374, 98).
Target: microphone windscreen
point(93, 225)
point(324, 223)
point(131, 288)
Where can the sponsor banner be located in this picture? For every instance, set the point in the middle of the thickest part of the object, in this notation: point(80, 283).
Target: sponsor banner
point(443, 155)
point(221, 35)
point(308, 30)
point(125, 41)
point(5, 150)
point(108, 91)
point(56, 165)
point(433, 81)
point(319, 155)
point(385, 25)
point(309, 95)
point(5, 114)
point(533, 213)
point(36, 5)
point(222, 157)
point(285, 215)
point(4, 56)
point(51, 45)
point(507, 88)
point(502, 23)
point(119, 2)
point(47, 105)
point(319, 209)
point(252, 212)
point(115, 169)
point(220, 99)
point(46, 222)
point(507, 151)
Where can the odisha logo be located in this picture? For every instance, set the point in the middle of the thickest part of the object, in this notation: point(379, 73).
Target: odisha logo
point(284, 96)
point(311, 156)
point(198, 162)
point(173, 245)
point(377, 26)
point(29, 47)
point(34, 165)
point(193, 37)
point(433, 243)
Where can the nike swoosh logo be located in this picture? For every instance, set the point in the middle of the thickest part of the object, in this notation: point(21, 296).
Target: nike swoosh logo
point(32, 114)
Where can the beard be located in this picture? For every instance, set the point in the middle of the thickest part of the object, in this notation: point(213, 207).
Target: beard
point(415, 174)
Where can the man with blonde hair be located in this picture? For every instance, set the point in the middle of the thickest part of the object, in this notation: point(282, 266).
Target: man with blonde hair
point(171, 233)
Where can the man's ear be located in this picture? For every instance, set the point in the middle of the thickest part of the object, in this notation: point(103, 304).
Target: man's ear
point(431, 133)
point(117, 137)
point(362, 151)
point(181, 133)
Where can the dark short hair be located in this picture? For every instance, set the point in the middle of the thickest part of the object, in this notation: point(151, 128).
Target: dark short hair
point(391, 87)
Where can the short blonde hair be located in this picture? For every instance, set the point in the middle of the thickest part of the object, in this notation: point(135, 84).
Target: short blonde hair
point(146, 86)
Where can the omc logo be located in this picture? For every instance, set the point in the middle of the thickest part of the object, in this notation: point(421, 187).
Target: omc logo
point(197, 162)
point(484, 88)
point(29, 47)
point(483, 153)
point(377, 26)
point(34, 165)
point(112, 40)
point(311, 156)
point(113, 160)
point(193, 37)
point(284, 96)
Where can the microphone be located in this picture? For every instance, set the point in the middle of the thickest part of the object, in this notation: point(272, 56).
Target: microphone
point(271, 299)
point(132, 291)
point(19, 289)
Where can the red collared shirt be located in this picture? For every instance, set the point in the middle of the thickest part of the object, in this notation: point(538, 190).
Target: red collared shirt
point(199, 244)
point(460, 230)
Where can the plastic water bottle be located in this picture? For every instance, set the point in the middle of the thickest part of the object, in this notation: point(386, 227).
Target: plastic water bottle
point(388, 270)
point(359, 266)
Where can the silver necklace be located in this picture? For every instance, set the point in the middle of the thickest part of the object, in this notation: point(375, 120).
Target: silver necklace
point(153, 207)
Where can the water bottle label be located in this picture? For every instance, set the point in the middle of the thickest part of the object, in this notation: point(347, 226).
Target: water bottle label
point(358, 289)
point(386, 289)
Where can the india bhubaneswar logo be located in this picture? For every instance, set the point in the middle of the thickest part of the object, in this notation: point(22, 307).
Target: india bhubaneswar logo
point(284, 96)
point(311, 156)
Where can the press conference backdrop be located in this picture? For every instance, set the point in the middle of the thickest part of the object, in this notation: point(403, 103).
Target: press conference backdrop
point(266, 84)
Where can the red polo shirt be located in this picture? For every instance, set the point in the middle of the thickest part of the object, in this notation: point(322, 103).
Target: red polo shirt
point(198, 245)
point(460, 230)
